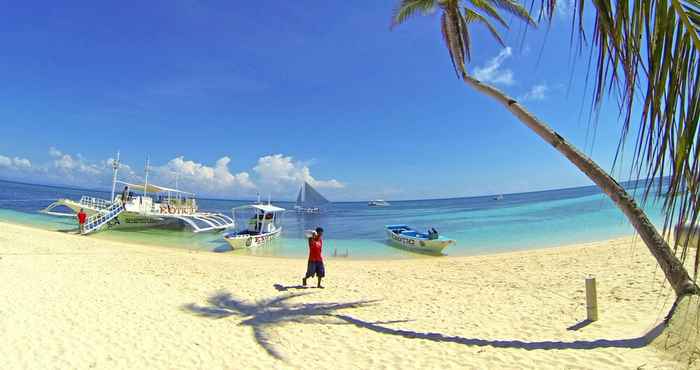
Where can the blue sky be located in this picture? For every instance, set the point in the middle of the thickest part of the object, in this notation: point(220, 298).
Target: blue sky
point(239, 98)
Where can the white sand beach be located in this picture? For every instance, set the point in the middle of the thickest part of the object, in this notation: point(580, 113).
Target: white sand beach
point(72, 302)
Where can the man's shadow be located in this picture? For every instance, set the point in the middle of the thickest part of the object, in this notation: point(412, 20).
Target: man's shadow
point(285, 288)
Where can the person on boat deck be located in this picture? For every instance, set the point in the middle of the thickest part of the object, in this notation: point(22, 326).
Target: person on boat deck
point(432, 234)
point(315, 265)
point(82, 217)
point(125, 194)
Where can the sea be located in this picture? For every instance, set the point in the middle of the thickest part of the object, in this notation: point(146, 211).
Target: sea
point(353, 230)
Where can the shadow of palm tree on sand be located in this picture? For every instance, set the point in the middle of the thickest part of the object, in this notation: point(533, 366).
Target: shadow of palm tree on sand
point(263, 315)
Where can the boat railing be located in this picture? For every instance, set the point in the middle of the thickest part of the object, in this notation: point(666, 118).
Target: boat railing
point(96, 203)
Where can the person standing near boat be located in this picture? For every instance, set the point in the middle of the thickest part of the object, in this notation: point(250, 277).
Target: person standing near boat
point(315, 265)
point(125, 194)
point(82, 217)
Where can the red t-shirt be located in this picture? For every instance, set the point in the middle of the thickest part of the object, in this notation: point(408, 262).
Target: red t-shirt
point(81, 217)
point(315, 248)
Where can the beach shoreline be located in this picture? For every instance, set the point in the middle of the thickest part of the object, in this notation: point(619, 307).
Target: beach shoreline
point(328, 250)
point(81, 302)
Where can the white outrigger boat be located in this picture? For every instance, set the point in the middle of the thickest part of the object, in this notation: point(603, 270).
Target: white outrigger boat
point(139, 206)
point(262, 228)
point(413, 240)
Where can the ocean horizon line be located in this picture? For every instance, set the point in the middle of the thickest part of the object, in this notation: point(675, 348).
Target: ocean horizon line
point(626, 184)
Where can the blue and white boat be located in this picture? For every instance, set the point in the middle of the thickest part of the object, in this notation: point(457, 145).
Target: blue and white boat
point(411, 239)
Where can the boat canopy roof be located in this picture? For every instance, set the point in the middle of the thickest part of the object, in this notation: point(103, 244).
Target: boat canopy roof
point(152, 188)
point(268, 208)
point(397, 226)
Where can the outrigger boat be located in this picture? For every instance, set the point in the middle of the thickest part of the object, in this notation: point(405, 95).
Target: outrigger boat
point(141, 205)
point(413, 240)
point(263, 227)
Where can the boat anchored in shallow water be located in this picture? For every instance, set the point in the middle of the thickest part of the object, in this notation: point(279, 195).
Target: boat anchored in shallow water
point(262, 228)
point(410, 239)
point(139, 206)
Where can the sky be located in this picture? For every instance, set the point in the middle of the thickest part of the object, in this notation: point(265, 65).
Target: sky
point(238, 98)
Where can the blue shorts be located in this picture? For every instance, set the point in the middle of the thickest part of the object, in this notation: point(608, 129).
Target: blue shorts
point(315, 268)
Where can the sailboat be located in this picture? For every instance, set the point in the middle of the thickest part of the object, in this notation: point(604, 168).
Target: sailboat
point(309, 200)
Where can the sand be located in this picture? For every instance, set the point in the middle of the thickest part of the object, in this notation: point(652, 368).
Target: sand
point(74, 302)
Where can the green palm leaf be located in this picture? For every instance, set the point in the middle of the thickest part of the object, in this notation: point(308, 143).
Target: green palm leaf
point(487, 8)
point(472, 16)
point(456, 19)
point(516, 9)
point(409, 8)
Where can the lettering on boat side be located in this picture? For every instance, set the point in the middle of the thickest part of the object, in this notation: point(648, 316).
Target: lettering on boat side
point(403, 240)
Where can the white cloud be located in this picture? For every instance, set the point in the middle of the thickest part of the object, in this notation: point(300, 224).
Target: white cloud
point(537, 92)
point(277, 174)
point(21, 162)
point(15, 163)
point(70, 166)
point(565, 8)
point(54, 152)
point(216, 179)
point(282, 172)
point(492, 72)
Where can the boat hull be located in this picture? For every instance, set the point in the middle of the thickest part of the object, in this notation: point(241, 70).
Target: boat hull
point(251, 241)
point(124, 221)
point(434, 246)
point(371, 204)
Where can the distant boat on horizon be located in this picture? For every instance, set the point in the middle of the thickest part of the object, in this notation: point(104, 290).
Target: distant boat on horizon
point(309, 200)
point(378, 203)
point(498, 197)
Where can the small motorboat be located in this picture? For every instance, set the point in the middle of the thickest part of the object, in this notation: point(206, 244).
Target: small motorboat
point(498, 197)
point(378, 203)
point(413, 240)
point(262, 227)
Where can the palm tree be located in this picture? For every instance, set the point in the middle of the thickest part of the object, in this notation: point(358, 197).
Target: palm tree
point(623, 37)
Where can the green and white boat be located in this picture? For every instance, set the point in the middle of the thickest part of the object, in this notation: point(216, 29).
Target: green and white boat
point(139, 206)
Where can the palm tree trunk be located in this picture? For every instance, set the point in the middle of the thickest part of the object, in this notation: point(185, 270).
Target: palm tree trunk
point(672, 267)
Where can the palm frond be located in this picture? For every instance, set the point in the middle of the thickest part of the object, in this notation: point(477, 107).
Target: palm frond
point(515, 8)
point(647, 55)
point(457, 38)
point(487, 8)
point(409, 8)
point(472, 16)
point(456, 19)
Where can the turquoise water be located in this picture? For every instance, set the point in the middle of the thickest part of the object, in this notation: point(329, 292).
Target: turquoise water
point(479, 224)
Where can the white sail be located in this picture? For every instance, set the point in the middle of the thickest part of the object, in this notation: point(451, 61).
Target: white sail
point(309, 197)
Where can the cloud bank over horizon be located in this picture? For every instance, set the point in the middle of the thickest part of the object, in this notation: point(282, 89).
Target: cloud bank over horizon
point(276, 174)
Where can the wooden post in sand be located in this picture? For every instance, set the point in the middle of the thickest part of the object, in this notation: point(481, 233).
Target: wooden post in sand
point(591, 299)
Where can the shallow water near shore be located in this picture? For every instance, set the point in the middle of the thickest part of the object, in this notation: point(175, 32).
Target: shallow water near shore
point(481, 225)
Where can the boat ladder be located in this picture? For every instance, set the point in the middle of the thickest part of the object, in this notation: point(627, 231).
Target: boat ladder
point(96, 221)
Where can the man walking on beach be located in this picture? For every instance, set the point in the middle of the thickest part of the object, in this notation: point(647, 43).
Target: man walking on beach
point(81, 220)
point(315, 266)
